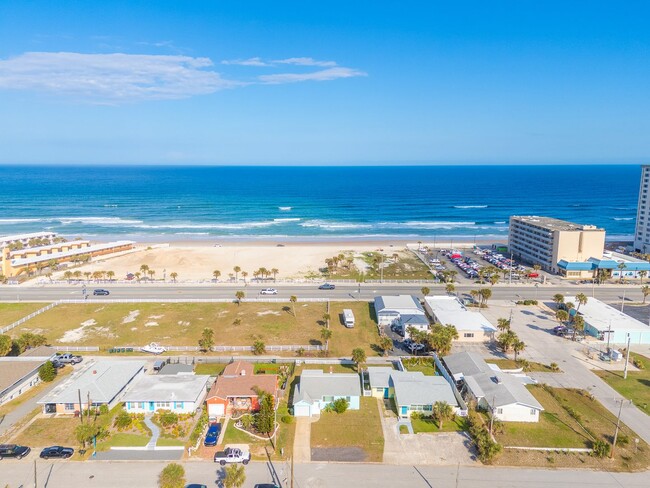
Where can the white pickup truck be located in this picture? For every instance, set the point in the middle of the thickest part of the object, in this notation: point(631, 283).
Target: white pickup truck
point(68, 358)
point(232, 455)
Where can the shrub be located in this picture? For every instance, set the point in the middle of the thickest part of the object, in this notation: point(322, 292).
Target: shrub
point(167, 418)
point(638, 363)
point(287, 419)
point(601, 449)
point(300, 352)
point(416, 415)
point(47, 372)
point(622, 440)
point(198, 428)
point(123, 420)
point(554, 367)
point(173, 476)
point(340, 405)
point(103, 409)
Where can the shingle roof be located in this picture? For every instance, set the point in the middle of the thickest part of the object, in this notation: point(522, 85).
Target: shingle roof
point(11, 372)
point(176, 368)
point(466, 364)
point(314, 385)
point(167, 388)
point(416, 388)
point(243, 385)
point(449, 310)
point(104, 380)
point(500, 389)
point(379, 376)
point(39, 352)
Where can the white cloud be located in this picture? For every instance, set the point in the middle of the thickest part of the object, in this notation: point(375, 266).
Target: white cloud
point(246, 62)
point(305, 62)
point(322, 75)
point(112, 78)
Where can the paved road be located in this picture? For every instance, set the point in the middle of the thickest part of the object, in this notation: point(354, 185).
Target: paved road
point(342, 292)
point(108, 474)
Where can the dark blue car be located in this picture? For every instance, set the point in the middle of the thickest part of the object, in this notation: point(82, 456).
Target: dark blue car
point(212, 435)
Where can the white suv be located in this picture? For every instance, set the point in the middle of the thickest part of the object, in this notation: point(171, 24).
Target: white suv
point(268, 291)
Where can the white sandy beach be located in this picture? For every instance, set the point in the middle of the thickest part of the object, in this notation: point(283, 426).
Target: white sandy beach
point(197, 260)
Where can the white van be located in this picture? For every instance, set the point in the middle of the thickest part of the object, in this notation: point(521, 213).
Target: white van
point(348, 318)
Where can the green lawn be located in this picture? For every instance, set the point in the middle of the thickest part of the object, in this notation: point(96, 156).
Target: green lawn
point(532, 365)
point(10, 312)
point(354, 428)
point(166, 441)
point(424, 365)
point(334, 368)
point(637, 385)
point(121, 439)
point(212, 369)
point(429, 425)
point(558, 429)
point(364, 334)
point(49, 431)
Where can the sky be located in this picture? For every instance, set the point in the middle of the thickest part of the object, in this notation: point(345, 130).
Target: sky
point(311, 82)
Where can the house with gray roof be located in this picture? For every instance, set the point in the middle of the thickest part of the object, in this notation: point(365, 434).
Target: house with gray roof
point(412, 391)
point(102, 382)
point(317, 389)
point(403, 311)
point(180, 393)
point(492, 389)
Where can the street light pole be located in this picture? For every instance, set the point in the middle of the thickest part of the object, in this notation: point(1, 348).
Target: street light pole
point(618, 424)
point(627, 356)
point(623, 300)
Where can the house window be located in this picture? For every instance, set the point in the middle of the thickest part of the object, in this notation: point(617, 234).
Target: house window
point(69, 406)
point(468, 334)
point(162, 404)
point(532, 411)
point(428, 408)
point(141, 405)
point(328, 399)
point(499, 411)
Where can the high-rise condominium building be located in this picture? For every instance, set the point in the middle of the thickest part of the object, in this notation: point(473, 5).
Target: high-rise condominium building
point(642, 231)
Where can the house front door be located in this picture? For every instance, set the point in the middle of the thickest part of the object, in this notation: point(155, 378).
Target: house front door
point(405, 411)
point(151, 406)
point(386, 393)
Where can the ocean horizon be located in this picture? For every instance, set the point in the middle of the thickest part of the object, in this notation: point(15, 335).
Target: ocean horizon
point(172, 203)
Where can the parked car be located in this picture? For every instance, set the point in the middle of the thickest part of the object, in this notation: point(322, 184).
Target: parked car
point(101, 291)
point(559, 328)
point(68, 358)
point(57, 364)
point(57, 452)
point(266, 485)
point(232, 455)
point(327, 286)
point(212, 434)
point(13, 451)
point(196, 485)
point(268, 291)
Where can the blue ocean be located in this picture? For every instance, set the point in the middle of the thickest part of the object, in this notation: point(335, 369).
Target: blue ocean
point(311, 203)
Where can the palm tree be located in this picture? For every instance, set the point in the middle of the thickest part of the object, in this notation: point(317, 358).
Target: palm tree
point(293, 299)
point(494, 279)
point(537, 267)
point(110, 275)
point(326, 335)
point(450, 288)
point(144, 269)
point(442, 412)
point(137, 275)
point(274, 272)
point(474, 294)
point(621, 267)
point(517, 347)
point(425, 290)
point(645, 289)
point(87, 274)
point(485, 294)
point(386, 344)
point(173, 275)
point(642, 274)
point(68, 276)
point(239, 296)
point(562, 315)
point(581, 299)
point(77, 274)
point(358, 356)
point(558, 298)
point(326, 318)
point(235, 476)
point(244, 274)
point(151, 273)
point(506, 340)
point(503, 325)
point(236, 269)
point(578, 325)
point(452, 275)
point(216, 273)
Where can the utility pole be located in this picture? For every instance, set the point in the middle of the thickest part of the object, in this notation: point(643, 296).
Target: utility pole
point(35, 482)
point(618, 423)
point(627, 356)
point(492, 416)
point(81, 412)
point(609, 333)
point(511, 263)
point(291, 471)
point(623, 301)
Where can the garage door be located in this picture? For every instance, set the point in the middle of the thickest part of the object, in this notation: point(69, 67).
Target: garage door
point(215, 409)
point(302, 411)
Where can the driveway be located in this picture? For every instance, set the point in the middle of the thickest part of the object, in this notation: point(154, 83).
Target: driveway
point(302, 440)
point(534, 326)
point(423, 449)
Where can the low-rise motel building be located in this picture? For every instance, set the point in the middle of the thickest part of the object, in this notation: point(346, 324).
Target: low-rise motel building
point(19, 261)
point(472, 326)
point(546, 241)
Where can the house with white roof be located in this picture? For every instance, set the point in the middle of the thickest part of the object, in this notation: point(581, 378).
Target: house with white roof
point(602, 320)
point(413, 391)
point(102, 382)
point(492, 389)
point(402, 310)
point(180, 393)
point(317, 389)
point(471, 325)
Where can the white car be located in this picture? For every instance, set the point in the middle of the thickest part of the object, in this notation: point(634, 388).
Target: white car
point(153, 348)
point(268, 291)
